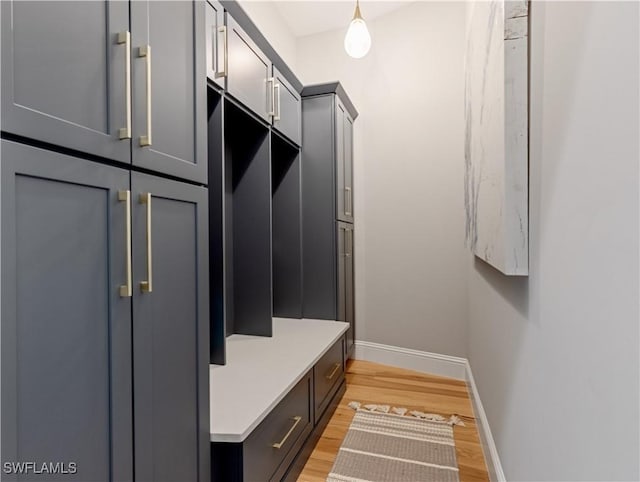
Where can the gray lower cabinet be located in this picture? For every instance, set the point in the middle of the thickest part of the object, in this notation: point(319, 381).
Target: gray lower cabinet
point(278, 447)
point(249, 77)
point(170, 329)
point(66, 331)
point(63, 74)
point(92, 342)
point(169, 87)
point(287, 112)
point(346, 301)
point(215, 43)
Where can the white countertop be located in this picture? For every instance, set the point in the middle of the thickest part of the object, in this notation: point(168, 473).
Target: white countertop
point(260, 371)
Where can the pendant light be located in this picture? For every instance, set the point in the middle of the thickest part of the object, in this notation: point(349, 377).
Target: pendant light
point(357, 42)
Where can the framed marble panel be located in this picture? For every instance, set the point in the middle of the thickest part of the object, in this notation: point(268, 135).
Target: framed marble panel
point(496, 135)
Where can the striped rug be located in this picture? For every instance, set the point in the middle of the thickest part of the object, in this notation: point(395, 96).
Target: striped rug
point(385, 447)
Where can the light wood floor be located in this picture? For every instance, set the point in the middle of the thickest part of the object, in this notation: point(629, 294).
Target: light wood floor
point(373, 383)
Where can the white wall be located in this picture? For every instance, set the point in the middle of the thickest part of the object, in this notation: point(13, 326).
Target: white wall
point(269, 21)
point(411, 264)
point(555, 356)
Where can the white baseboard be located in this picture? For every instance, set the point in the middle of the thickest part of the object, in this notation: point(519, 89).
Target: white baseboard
point(444, 366)
point(494, 467)
point(422, 361)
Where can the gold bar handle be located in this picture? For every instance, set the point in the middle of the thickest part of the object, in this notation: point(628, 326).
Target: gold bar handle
point(125, 196)
point(333, 373)
point(145, 52)
point(147, 286)
point(347, 201)
point(279, 445)
point(276, 90)
point(125, 38)
point(272, 110)
point(222, 73)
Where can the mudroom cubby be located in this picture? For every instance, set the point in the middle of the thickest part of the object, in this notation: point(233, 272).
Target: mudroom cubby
point(286, 228)
point(247, 223)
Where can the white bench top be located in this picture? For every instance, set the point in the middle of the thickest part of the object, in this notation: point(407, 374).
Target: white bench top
point(260, 371)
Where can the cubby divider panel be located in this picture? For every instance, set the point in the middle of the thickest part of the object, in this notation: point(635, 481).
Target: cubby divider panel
point(215, 152)
point(286, 228)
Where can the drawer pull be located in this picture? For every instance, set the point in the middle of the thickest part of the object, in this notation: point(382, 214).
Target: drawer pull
point(279, 445)
point(333, 373)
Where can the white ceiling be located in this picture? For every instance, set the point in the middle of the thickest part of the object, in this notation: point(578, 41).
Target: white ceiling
point(306, 17)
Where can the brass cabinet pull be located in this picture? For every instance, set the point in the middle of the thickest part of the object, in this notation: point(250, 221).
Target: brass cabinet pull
point(333, 373)
point(221, 72)
point(272, 110)
point(347, 201)
point(125, 196)
point(125, 38)
point(147, 286)
point(279, 445)
point(276, 102)
point(145, 52)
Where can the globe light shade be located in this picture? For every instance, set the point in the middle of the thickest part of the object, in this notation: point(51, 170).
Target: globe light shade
point(357, 42)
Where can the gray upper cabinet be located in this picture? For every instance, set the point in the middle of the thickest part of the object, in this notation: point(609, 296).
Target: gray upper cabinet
point(344, 164)
point(64, 69)
point(169, 87)
point(216, 37)
point(171, 330)
point(287, 111)
point(66, 331)
point(249, 77)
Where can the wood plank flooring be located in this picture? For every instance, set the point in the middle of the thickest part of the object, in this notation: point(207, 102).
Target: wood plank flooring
point(380, 384)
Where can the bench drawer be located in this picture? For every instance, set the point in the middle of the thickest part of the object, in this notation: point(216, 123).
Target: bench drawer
point(285, 427)
point(328, 372)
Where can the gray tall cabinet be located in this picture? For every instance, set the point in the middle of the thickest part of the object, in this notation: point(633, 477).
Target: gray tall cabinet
point(104, 250)
point(327, 205)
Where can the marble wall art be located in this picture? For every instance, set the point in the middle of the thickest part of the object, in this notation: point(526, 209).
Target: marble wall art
point(496, 137)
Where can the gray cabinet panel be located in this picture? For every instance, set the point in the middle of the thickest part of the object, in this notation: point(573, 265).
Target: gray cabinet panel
point(249, 71)
point(344, 164)
point(170, 332)
point(288, 108)
point(215, 32)
point(346, 301)
point(66, 332)
point(63, 74)
point(172, 116)
point(349, 283)
point(348, 170)
point(319, 208)
point(341, 205)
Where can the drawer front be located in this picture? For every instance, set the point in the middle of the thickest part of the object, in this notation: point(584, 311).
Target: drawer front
point(327, 373)
point(270, 443)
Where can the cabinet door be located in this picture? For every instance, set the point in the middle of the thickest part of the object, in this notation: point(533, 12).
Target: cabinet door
point(169, 87)
point(66, 332)
point(344, 164)
point(287, 108)
point(215, 41)
point(342, 275)
point(348, 169)
point(63, 74)
point(249, 77)
point(170, 330)
point(349, 282)
point(346, 279)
